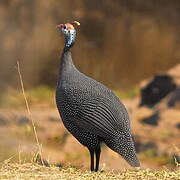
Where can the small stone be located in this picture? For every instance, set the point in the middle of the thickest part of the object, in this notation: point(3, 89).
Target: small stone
point(23, 120)
point(53, 119)
point(152, 120)
point(178, 125)
point(3, 121)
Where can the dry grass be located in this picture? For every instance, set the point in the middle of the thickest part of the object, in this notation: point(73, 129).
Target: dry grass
point(34, 171)
point(28, 111)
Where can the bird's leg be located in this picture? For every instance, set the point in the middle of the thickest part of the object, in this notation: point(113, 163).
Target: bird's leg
point(98, 152)
point(92, 158)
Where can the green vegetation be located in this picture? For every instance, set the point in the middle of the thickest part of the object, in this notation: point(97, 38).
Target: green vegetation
point(57, 140)
point(45, 95)
point(33, 171)
point(39, 95)
point(164, 134)
point(151, 155)
point(128, 93)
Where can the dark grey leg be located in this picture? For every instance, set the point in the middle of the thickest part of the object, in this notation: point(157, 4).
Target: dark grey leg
point(98, 152)
point(92, 159)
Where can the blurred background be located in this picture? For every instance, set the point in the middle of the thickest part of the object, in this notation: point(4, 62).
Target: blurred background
point(121, 43)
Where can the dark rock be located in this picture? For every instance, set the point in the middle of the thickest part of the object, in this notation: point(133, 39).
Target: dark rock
point(3, 121)
point(152, 120)
point(23, 120)
point(174, 97)
point(53, 119)
point(140, 147)
point(178, 125)
point(156, 90)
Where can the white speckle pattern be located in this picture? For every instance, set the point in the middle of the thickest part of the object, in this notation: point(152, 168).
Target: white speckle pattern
point(92, 113)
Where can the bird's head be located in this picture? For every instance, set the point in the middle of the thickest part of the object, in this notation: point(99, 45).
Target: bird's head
point(69, 33)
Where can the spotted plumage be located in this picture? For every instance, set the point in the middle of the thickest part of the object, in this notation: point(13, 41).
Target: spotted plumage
point(90, 111)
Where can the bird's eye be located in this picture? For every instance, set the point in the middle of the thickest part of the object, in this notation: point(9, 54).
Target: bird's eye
point(64, 27)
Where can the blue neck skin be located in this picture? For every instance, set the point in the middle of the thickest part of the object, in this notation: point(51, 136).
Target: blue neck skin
point(69, 40)
point(66, 64)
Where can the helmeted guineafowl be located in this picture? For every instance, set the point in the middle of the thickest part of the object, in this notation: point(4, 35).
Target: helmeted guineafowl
point(90, 111)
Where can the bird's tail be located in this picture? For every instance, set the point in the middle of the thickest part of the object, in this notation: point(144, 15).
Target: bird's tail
point(124, 146)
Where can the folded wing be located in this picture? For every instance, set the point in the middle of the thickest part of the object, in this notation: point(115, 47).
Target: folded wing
point(102, 118)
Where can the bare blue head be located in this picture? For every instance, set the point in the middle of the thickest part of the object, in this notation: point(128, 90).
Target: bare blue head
point(69, 34)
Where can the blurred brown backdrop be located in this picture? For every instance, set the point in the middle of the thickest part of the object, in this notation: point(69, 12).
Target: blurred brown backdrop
point(119, 42)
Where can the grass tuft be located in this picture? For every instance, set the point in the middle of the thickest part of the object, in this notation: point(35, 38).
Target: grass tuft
point(39, 95)
point(128, 93)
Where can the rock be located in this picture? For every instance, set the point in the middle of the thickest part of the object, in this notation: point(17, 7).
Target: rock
point(53, 119)
point(152, 120)
point(3, 121)
point(141, 147)
point(178, 125)
point(23, 120)
point(174, 98)
point(155, 90)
